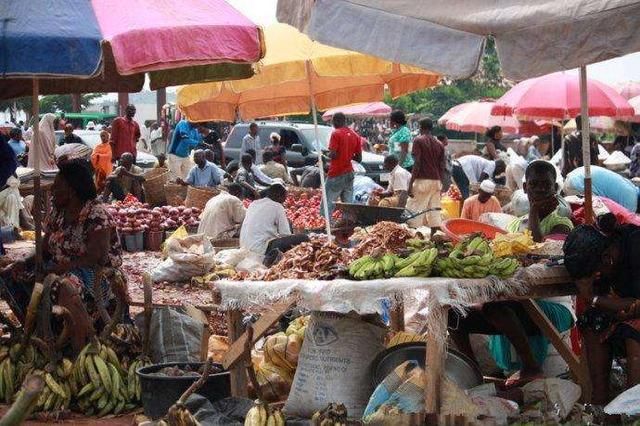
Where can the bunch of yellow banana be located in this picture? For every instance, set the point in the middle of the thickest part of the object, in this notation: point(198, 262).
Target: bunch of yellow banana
point(179, 415)
point(332, 415)
point(133, 380)
point(419, 264)
point(15, 364)
point(57, 392)
point(261, 415)
point(473, 258)
point(99, 380)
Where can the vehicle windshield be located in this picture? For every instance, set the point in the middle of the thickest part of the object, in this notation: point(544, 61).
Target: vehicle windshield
point(323, 132)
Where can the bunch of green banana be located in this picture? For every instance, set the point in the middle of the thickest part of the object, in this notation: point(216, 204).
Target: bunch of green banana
point(99, 380)
point(262, 415)
point(419, 264)
point(15, 364)
point(57, 392)
point(369, 267)
point(473, 258)
point(332, 415)
point(133, 380)
point(417, 244)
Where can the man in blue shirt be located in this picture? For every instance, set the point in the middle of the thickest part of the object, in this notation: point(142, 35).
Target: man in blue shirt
point(204, 173)
point(16, 143)
point(185, 138)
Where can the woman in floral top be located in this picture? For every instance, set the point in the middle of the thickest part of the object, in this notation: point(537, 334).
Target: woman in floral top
point(80, 238)
point(400, 140)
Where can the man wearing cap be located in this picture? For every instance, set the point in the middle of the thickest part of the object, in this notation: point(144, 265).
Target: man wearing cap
point(484, 202)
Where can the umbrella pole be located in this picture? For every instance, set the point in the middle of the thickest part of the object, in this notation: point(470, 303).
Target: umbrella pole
point(314, 112)
point(37, 194)
point(586, 146)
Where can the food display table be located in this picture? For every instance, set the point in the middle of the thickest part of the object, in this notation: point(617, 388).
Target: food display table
point(434, 297)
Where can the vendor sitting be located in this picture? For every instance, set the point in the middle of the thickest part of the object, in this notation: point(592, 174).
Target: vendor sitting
point(125, 179)
point(266, 230)
point(223, 214)
point(483, 202)
point(203, 174)
point(398, 187)
point(273, 169)
point(247, 178)
point(509, 322)
point(80, 238)
point(605, 262)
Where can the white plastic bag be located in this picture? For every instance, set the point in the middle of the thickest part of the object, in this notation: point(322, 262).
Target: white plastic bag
point(628, 402)
point(188, 257)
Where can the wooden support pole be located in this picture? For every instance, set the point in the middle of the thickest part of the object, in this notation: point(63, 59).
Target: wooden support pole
point(434, 365)
point(238, 372)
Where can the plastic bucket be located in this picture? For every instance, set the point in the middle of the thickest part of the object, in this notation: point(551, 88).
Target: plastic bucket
point(451, 207)
point(159, 393)
point(153, 240)
point(134, 242)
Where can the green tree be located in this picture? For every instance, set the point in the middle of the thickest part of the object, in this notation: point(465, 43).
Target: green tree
point(62, 103)
point(15, 105)
point(487, 83)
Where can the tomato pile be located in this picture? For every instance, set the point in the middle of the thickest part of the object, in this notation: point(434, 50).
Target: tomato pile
point(454, 193)
point(303, 209)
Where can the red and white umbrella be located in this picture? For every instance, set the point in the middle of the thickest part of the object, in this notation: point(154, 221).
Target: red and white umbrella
point(557, 96)
point(635, 104)
point(476, 117)
point(628, 89)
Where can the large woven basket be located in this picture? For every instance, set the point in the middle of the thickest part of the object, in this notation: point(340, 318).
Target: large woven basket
point(198, 196)
point(175, 194)
point(154, 187)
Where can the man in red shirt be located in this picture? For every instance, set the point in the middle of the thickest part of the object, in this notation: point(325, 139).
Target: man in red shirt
point(425, 184)
point(345, 145)
point(125, 134)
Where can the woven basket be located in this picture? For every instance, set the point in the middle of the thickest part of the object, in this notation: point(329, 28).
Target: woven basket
point(175, 194)
point(198, 197)
point(154, 188)
point(502, 193)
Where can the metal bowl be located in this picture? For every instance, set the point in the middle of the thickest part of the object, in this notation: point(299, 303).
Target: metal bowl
point(458, 367)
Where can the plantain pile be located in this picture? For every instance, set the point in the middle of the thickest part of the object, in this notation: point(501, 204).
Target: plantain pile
point(99, 380)
point(333, 415)
point(473, 258)
point(262, 415)
point(58, 389)
point(418, 264)
point(133, 380)
point(16, 362)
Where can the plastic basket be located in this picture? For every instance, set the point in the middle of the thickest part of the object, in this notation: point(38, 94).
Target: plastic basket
point(457, 229)
point(134, 242)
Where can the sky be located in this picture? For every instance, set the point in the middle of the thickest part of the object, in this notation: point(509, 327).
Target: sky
point(263, 12)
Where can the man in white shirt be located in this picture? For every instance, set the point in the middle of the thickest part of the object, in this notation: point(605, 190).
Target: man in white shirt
point(398, 187)
point(473, 169)
point(251, 141)
point(223, 214)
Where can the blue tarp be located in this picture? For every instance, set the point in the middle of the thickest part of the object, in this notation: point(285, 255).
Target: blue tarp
point(49, 37)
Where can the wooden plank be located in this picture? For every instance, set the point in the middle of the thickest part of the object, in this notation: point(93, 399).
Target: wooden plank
point(238, 373)
point(435, 367)
point(578, 369)
point(266, 321)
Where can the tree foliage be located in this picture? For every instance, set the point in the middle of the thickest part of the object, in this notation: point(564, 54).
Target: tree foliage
point(58, 103)
point(487, 83)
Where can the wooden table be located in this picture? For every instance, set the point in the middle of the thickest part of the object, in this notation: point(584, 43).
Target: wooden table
point(26, 189)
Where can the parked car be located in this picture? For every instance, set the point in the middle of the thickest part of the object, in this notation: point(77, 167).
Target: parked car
point(300, 141)
point(91, 138)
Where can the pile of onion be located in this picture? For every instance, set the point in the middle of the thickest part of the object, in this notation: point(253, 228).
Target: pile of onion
point(132, 218)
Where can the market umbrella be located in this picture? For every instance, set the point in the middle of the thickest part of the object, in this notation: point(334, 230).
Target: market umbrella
point(601, 125)
point(557, 96)
point(476, 117)
point(298, 76)
point(628, 89)
point(366, 109)
point(635, 104)
point(294, 69)
point(108, 45)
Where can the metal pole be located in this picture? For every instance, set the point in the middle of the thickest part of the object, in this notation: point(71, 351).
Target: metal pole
point(325, 203)
point(37, 195)
point(586, 145)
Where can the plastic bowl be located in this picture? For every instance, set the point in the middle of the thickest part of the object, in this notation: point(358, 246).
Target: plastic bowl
point(159, 393)
point(457, 229)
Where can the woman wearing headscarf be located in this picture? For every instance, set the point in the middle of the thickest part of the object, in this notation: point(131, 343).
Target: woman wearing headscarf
point(493, 143)
point(45, 146)
point(101, 160)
